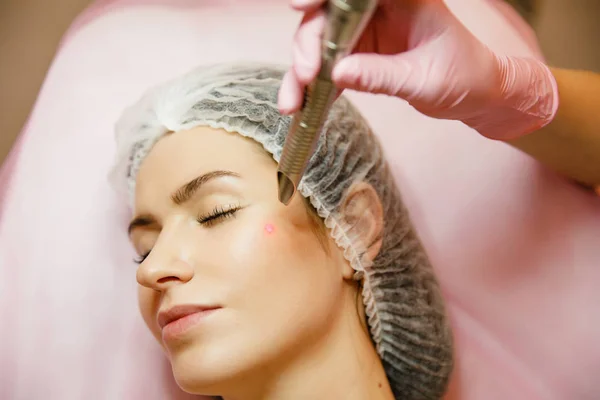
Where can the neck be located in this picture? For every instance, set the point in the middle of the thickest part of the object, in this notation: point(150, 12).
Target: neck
point(342, 365)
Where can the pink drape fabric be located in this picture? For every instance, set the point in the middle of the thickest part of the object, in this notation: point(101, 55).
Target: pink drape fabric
point(515, 246)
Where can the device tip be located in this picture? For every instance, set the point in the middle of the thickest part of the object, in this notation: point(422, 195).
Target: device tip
point(286, 188)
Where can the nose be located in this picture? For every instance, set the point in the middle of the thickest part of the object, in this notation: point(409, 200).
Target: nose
point(162, 270)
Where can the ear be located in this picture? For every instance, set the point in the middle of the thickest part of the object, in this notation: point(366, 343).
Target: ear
point(363, 214)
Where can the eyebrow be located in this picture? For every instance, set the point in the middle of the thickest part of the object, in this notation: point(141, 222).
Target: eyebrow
point(182, 195)
point(185, 192)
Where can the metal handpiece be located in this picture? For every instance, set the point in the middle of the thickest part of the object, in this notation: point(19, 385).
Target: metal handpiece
point(346, 21)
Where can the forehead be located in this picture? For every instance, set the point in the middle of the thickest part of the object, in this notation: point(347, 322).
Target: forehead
point(181, 156)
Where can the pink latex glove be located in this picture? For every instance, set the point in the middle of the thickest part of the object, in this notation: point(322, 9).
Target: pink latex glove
point(419, 51)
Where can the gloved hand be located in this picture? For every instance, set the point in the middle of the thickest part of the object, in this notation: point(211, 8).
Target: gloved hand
point(419, 51)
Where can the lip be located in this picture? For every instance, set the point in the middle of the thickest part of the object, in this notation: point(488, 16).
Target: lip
point(179, 319)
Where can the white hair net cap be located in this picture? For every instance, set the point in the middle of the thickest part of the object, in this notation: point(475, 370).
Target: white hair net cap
point(405, 311)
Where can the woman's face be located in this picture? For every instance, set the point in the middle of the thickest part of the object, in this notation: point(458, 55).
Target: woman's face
point(255, 274)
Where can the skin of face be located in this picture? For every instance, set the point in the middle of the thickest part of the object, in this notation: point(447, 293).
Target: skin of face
point(282, 288)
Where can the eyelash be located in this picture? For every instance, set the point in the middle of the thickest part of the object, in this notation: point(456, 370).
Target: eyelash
point(219, 213)
point(141, 258)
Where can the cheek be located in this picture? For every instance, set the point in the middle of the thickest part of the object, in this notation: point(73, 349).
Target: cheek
point(148, 302)
point(269, 229)
point(276, 261)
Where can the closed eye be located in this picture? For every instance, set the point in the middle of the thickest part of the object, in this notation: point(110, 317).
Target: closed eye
point(218, 214)
point(141, 258)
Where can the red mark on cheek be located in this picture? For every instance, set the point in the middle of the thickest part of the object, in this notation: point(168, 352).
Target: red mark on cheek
point(269, 228)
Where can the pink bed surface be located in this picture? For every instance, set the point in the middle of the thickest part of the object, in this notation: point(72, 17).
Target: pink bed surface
point(515, 246)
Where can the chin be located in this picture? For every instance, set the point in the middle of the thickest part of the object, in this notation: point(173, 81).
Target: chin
point(190, 383)
point(205, 371)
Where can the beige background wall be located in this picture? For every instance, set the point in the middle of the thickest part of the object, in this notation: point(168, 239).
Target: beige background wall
point(569, 32)
point(31, 29)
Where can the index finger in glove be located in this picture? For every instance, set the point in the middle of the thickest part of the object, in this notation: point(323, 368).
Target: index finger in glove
point(306, 47)
point(306, 61)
